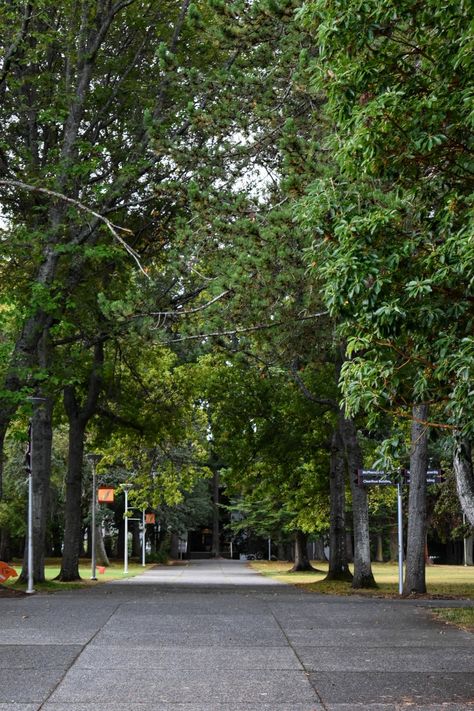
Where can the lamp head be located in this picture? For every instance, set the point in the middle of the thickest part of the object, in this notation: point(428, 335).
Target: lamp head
point(93, 458)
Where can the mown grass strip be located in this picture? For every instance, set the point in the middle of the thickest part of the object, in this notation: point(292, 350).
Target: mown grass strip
point(444, 581)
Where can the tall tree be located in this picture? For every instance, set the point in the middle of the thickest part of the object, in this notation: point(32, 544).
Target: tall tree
point(85, 95)
point(392, 220)
point(417, 523)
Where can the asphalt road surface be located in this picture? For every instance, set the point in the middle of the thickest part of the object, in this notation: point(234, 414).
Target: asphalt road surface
point(217, 636)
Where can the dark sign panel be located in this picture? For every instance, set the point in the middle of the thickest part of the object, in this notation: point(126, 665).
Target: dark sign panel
point(433, 476)
point(367, 477)
point(373, 477)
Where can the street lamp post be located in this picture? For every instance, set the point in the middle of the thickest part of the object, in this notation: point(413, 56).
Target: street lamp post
point(465, 540)
point(126, 488)
point(143, 537)
point(93, 460)
point(400, 537)
point(29, 556)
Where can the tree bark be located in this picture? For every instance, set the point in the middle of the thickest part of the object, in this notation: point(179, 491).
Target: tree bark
point(469, 549)
point(101, 553)
point(363, 576)
point(319, 553)
point(338, 567)
point(415, 579)
point(379, 553)
point(136, 539)
point(73, 537)
point(302, 562)
point(393, 541)
point(5, 545)
point(3, 432)
point(78, 419)
point(174, 546)
point(462, 461)
point(42, 437)
point(215, 515)
point(349, 546)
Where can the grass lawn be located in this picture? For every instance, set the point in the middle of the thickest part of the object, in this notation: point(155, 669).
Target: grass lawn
point(53, 565)
point(459, 616)
point(442, 580)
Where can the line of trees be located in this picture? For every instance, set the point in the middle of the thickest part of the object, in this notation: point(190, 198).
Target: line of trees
point(243, 227)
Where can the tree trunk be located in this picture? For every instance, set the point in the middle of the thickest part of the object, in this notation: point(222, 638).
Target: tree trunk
point(469, 549)
point(42, 437)
point(462, 461)
point(153, 537)
point(101, 554)
point(3, 432)
point(215, 515)
point(72, 508)
point(302, 562)
point(393, 541)
point(120, 548)
point(338, 567)
point(136, 539)
point(319, 553)
point(78, 418)
point(24, 355)
point(349, 546)
point(428, 560)
point(5, 547)
point(363, 576)
point(415, 580)
point(379, 553)
point(281, 550)
point(174, 546)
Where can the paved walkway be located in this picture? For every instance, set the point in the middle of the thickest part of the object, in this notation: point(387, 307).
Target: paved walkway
point(215, 636)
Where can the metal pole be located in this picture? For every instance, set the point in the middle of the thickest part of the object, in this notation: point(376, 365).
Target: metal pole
point(269, 549)
point(465, 540)
point(30, 589)
point(125, 549)
point(93, 459)
point(400, 538)
point(35, 401)
point(93, 542)
point(143, 537)
point(231, 550)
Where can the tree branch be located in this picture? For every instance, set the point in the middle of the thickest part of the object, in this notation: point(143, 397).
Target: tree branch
point(14, 47)
point(117, 419)
point(234, 332)
point(192, 311)
point(80, 206)
point(307, 392)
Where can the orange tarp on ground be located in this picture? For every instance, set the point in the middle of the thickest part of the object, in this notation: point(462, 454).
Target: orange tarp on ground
point(6, 572)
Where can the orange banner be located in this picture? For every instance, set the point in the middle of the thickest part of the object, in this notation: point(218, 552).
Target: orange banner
point(6, 572)
point(149, 518)
point(105, 495)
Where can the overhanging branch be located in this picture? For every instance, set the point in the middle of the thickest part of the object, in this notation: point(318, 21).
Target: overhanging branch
point(250, 329)
point(114, 229)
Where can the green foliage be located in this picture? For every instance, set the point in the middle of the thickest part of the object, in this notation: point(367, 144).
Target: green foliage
point(274, 445)
point(392, 219)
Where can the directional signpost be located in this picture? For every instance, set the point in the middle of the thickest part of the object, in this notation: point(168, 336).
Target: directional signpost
point(376, 477)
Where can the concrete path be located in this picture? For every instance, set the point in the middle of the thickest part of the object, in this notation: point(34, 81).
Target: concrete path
point(215, 636)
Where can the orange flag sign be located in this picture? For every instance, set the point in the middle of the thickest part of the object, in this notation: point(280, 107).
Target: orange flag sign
point(6, 572)
point(105, 495)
